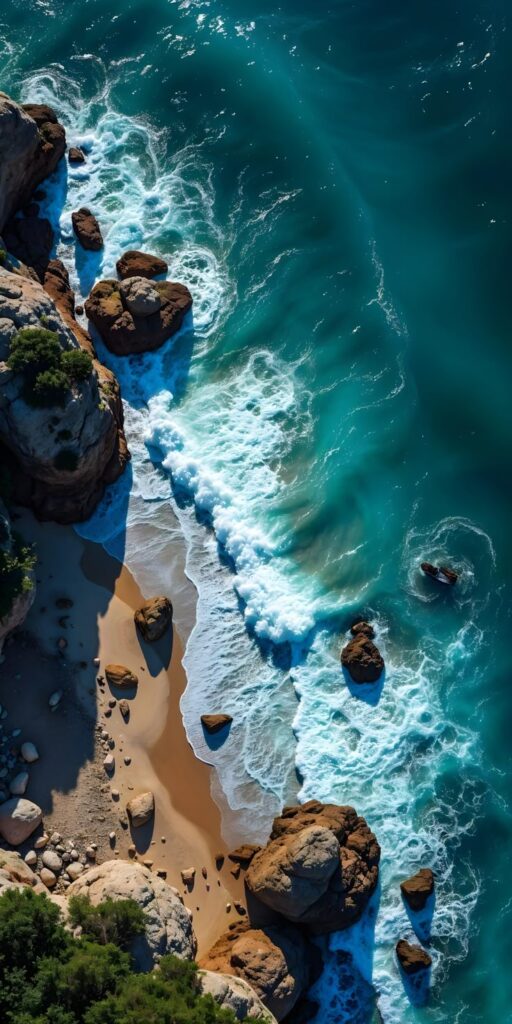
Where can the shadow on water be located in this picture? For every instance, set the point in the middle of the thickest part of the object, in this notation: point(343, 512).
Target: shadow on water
point(417, 986)
point(370, 693)
point(421, 920)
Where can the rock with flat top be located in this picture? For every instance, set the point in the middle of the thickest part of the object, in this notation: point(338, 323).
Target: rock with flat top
point(362, 659)
point(168, 922)
point(141, 809)
point(87, 229)
point(363, 627)
point(140, 264)
point(214, 723)
point(18, 819)
point(188, 877)
point(417, 889)
point(120, 676)
point(154, 618)
point(412, 959)
point(140, 296)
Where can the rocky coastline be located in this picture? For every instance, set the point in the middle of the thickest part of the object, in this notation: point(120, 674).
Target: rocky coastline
point(61, 444)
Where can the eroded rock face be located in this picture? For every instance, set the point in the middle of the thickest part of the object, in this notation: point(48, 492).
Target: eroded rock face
point(18, 819)
point(272, 960)
point(30, 240)
point(86, 424)
point(140, 264)
point(417, 889)
point(363, 627)
point(362, 659)
point(87, 229)
point(154, 618)
point(31, 144)
point(319, 868)
point(168, 922)
point(412, 959)
point(125, 332)
point(233, 993)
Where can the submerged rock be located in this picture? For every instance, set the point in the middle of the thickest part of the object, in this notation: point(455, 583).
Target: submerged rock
point(141, 809)
point(126, 331)
point(417, 889)
point(154, 618)
point(441, 573)
point(362, 659)
point(412, 959)
point(214, 723)
point(76, 155)
point(140, 264)
point(87, 229)
point(319, 868)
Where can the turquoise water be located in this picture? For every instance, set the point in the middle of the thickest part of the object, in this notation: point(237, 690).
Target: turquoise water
point(333, 183)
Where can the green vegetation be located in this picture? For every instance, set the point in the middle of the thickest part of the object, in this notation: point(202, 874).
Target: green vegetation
point(15, 573)
point(47, 976)
point(48, 371)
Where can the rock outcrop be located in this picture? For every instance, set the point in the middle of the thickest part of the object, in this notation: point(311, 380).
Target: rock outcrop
point(319, 868)
point(18, 819)
point(233, 993)
point(168, 922)
point(31, 144)
point(362, 659)
point(272, 960)
point(113, 309)
point(417, 889)
point(412, 959)
point(140, 264)
point(154, 618)
point(87, 426)
point(441, 573)
point(87, 229)
point(214, 723)
point(76, 155)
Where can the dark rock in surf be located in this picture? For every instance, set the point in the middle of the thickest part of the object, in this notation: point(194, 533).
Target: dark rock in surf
point(87, 229)
point(412, 959)
point(417, 889)
point(154, 618)
point(140, 264)
point(362, 659)
point(441, 573)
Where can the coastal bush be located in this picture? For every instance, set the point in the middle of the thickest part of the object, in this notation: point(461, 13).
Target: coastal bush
point(15, 573)
point(48, 371)
point(49, 976)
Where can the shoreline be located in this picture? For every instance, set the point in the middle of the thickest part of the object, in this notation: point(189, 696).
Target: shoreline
point(186, 830)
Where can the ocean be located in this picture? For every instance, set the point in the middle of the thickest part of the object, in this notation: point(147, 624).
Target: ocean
point(332, 181)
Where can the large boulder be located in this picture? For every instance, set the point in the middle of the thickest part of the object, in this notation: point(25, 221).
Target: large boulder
point(140, 264)
point(62, 455)
point(272, 960)
point(18, 819)
point(154, 618)
point(125, 331)
point(168, 922)
point(120, 676)
point(232, 993)
point(31, 144)
point(412, 959)
point(319, 868)
point(417, 889)
point(87, 229)
point(362, 659)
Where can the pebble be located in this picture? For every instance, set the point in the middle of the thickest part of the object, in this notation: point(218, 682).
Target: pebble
point(52, 861)
point(55, 838)
point(75, 869)
point(90, 852)
point(104, 734)
point(74, 854)
point(114, 794)
point(48, 878)
point(96, 662)
point(132, 850)
point(112, 837)
point(16, 732)
point(62, 643)
point(108, 712)
point(31, 858)
point(19, 784)
point(112, 703)
point(162, 873)
point(204, 872)
point(148, 863)
point(55, 699)
point(240, 909)
point(228, 908)
point(29, 752)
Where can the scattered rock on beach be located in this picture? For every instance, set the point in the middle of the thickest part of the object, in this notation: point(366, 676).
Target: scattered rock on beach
point(412, 959)
point(30, 858)
point(19, 783)
point(214, 723)
point(362, 659)
point(87, 229)
point(109, 763)
point(188, 877)
point(120, 676)
point(417, 889)
point(140, 264)
point(124, 708)
point(18, 819)
point(154, 618)
point(141, 809)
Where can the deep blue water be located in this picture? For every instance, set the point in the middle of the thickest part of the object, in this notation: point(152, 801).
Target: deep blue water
point(333, 182)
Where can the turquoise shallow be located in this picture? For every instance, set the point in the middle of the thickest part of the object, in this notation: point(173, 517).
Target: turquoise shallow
point(333, 183)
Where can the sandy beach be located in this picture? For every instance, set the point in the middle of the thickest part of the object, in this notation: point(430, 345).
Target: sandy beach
point(150, 749)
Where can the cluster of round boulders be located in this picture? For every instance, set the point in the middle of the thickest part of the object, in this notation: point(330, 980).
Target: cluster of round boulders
point(361, 657)
point(87, 229)
point(136, 314)
point(273, 960)
point(140, 264)
point(154, 618)
point(319, 868)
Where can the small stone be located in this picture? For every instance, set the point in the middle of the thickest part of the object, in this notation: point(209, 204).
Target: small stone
point(112, 837)
point(219, 860)
point(240, 909)
point(62, 643)
point(215, 723)
point(204, 872)
point(90, 853)
point(112, 703)
point(52, 861)
point(48, 878)
point(29, 752)
point(109, 763)
point(141, 808)
point(114, 794)
point(76, 155)
point(132, 850)
point(18, 785)
point(74, 854)
point(31, 858)
point(55, 699)
point(161, 873)
point(148, 863)
point(75, 869)
point(236, 871)
point(124, 708)
point(127, 761)
point(228, 908)
point(55, 838)
point(96, 662)
point(41, 842)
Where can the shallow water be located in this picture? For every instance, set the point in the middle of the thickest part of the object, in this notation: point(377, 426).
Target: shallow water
point(332, 181)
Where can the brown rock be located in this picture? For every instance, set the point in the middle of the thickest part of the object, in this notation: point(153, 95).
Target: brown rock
point(214, 723)
point(124, 708)
point(154, 618)
point(87, 229)
point(244, 854)
point(273, 960)
point(141, 809)
point(417, 889)
point(319, 868)
point(412, 959)
point(362, 659)
point(125, 333)
point(140, 264)
point(76, 155)
point(120, 676)
point(363, 627)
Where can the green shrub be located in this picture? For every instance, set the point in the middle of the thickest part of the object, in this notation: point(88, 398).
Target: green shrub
point(48, 371)
point(77, 364)
point(15, 573)
point(117, 921)
point(66, 459)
